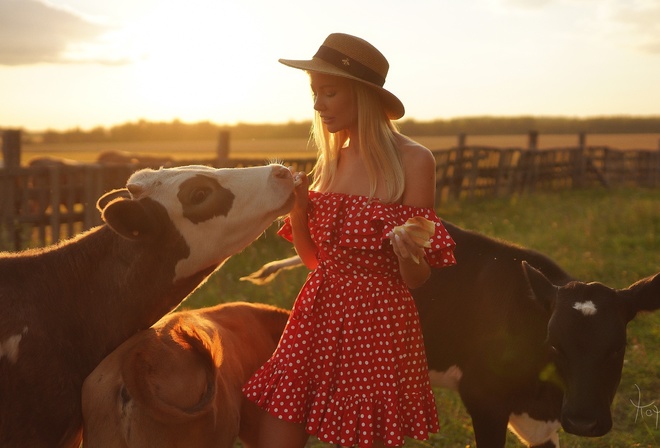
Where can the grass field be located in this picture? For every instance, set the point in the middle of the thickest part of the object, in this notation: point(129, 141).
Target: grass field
point(611, 236)
point(296, 148)
point(597, 235)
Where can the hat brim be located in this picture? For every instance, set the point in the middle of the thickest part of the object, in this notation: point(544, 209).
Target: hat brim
point(393, 106)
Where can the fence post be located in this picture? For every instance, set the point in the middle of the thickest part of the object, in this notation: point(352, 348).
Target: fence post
point(11, 156)
point(93, 191)
point(580, 162)
point(459, 168)
point(11, 148)
point(531, 162)
point(55, 177)
point(462, 137)
point(533, 140)
point(223, 148)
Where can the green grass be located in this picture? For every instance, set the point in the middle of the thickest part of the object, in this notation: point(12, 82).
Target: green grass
point(610, 236)
point(597, 235)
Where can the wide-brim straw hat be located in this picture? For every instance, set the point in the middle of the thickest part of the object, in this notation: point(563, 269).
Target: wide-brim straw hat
point(353, 58)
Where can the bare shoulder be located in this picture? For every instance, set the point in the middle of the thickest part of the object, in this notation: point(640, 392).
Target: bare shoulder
point(419, 168)
point(414, 154)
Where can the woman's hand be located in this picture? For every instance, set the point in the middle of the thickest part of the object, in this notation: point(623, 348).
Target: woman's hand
point(301, 187)
point(302, 239)
point(405, 248)
point(408, 242)
point(410, 239)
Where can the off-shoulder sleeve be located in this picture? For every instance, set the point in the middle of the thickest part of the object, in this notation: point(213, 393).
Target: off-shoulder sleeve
point(441, 252)
point(371, 229)
point(369, 226)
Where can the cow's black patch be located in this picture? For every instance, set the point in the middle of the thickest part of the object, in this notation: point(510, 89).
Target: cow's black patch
point(202, 198)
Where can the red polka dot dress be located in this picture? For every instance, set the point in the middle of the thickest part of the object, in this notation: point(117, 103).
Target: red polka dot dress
point(351, 363)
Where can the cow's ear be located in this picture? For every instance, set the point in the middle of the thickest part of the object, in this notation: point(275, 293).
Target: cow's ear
point(643, 295)
point(543, 291)
point(129, 218)
point(191, 360)
point(110, 196)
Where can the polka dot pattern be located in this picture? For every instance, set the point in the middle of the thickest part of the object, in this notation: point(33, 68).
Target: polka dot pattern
point(351, 363)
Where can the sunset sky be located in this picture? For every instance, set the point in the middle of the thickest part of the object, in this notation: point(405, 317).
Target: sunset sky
point(87, 63)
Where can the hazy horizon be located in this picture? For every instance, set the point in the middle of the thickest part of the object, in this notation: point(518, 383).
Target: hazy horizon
point(402, 122)
point(67, 64)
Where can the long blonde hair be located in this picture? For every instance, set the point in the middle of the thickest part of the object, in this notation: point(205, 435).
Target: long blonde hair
point(376, 142)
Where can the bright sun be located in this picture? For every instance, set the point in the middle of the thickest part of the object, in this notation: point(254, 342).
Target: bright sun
point(189, 56)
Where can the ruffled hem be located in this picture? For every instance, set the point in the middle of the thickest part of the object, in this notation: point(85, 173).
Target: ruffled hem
point(348, 420)
point(382, 218)
point(359, 421)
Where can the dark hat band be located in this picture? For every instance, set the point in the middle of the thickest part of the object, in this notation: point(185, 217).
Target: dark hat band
point(349, 65)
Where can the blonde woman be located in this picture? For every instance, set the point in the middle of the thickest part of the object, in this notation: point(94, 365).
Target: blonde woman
point(350, 367)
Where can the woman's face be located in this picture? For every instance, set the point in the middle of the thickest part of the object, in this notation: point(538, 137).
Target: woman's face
point(335, 102)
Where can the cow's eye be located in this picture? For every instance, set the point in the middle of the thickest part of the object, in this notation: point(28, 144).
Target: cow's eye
point(198, 195)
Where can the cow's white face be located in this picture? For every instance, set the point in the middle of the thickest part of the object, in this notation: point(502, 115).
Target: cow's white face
point(217, 211)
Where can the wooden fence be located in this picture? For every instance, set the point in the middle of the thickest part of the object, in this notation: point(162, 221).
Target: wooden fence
point(40, 206)
point(472, 171)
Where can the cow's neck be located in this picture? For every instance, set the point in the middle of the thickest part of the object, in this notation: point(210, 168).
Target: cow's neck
point(124, 289)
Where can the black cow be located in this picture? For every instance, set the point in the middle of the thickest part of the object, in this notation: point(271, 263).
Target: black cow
point(524, 343)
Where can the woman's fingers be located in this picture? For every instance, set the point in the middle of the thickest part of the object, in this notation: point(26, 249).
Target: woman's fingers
point(404, 246)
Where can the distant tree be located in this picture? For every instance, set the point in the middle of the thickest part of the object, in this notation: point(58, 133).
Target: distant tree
point(176, 130)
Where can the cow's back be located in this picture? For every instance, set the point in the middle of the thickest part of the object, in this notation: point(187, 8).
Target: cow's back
point(478, 312)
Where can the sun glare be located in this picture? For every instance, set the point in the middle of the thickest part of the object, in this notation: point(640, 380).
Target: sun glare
point(189, 57)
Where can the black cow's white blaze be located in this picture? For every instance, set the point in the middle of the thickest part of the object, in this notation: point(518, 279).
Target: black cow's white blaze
point(587, 308)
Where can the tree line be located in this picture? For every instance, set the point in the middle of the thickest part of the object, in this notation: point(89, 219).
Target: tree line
point(177, 130)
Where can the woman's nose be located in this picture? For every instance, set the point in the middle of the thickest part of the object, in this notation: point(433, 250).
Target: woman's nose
point(318, 104)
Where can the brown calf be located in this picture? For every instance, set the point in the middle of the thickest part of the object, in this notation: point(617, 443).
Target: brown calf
point(178, 383)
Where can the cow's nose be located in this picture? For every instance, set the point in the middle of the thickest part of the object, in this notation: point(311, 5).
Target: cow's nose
point(281, 172)
point(581, 426)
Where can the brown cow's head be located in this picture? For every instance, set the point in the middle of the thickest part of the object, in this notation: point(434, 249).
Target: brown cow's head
point(587, 339)
point(178, 383)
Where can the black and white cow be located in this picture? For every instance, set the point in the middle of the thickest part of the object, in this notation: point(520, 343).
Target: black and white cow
point(525, 344)
point(65, 307)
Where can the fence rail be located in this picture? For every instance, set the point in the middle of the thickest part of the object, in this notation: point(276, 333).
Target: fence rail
point(40, 206)
point(473, 171)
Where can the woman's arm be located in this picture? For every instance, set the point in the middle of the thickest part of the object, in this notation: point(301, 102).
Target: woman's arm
point(414, 273)
point(419, 169)
point(302, 240)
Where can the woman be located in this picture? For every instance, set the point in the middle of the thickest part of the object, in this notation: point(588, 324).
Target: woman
point(350, 367)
